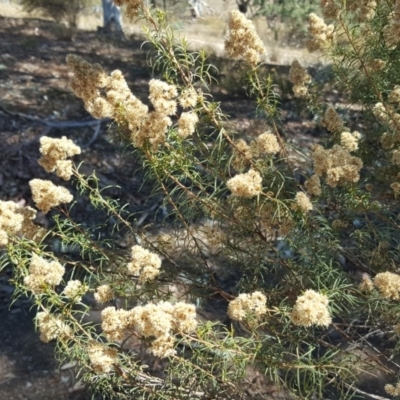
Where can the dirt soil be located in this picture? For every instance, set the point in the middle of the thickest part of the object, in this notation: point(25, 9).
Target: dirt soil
point(34, 88)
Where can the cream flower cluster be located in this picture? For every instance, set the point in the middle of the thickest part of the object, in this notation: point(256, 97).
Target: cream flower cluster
point(243, 40)
point(247, 304)
point(387, 115)
point(15, 219)
point(300, 78)
point(388, 285)
point(393, 390)
point(394, 123)
point(302, 202)
point(331, 120)
point(10, 220)
point(110, 97)
point(119, 103)
point(396, 188)
point(115, 323)
point(392, 29)
point(396, 157)
point(242, 155)
point(337, 164)
point(104, 293)
point(380, 112)
point(101, 357)
point(311, 308)
point(29, 229)
point(245, 185)
point(54, 155)
point(264, 144)
point(366, 284)
point(158, 321)
point(144, 264)
point(46, 195)
point(313, 185)
point(323, 34)
point(52, 327)
point(88, 78)
point(394, 95)
point(43, 273)
point(74, 290)
point(153, 130)
point(349, 141)
point(188, 98)
point(162, 96)
point(187, 124)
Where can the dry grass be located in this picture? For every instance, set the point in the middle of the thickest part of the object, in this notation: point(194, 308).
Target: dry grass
point(88, 21)
point(12, 11)
point(205, 33)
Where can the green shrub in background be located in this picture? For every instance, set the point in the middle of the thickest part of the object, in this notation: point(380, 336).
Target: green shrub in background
point(286, 18)
point(297, 254)
point(59, 10)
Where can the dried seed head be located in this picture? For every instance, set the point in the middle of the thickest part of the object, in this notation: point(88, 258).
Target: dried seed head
point(311, 308)
point(243, 40)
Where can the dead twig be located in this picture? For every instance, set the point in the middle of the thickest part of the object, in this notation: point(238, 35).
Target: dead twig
point(95, 123)
point(373, 396)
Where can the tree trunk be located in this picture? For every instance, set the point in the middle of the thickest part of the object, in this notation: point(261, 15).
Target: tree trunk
point(111, 17)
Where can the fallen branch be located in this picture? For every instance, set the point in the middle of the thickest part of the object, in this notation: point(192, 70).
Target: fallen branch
point(62, 124)
point(55, 124)
point(373, 396)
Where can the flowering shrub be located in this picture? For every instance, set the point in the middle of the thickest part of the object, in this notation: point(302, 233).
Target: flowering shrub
point(303, 270)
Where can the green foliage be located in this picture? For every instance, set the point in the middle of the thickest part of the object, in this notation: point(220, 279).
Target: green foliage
point(59, 10)
point(286, 18)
